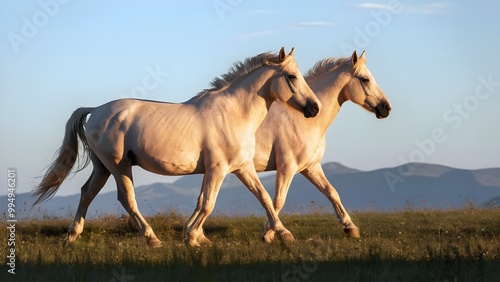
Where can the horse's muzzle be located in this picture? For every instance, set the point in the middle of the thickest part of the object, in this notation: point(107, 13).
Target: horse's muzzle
point(311, 109)
point(382, 110)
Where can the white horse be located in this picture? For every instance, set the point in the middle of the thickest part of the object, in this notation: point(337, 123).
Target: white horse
point(298, 145)
point(212, 133)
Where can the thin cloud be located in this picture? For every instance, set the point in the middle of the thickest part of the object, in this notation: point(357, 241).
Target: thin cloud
point(428, 9)
point(256, 34)
point(372, 6)
point(435, 8)
point(317, 23)
point(303, 25)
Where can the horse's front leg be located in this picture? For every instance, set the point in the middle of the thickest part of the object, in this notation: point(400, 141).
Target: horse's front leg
point(212, 181)
point(249, 177)
point(196, 211)
point(317, 177)
point(284, 177)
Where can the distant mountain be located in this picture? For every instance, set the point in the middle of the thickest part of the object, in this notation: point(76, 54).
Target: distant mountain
point(408, 186)
point(493, 203)
point(338, 168)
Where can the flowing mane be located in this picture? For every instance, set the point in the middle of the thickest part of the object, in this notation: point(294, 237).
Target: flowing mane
point(325, 65)
point(237, 70)
point(242, 68)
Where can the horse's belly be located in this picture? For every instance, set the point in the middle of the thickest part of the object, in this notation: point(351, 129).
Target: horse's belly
point(169, 168)
point(177, 164)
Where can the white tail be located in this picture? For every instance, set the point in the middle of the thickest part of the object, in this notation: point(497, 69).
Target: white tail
point(68, 154)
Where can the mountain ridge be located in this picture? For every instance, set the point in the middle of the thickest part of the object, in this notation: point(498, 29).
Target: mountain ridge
point(418, 186)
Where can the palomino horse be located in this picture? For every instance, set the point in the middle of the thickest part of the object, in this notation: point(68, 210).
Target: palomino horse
point(212, 133)
point(298, 144)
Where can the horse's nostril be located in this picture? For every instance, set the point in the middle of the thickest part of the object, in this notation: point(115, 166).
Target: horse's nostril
point(387, 107)
point(316, 108)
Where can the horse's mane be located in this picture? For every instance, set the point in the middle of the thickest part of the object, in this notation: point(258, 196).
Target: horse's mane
point(325, 65)
point(239, 69)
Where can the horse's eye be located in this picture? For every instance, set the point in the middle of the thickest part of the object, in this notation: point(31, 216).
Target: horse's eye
point(364, 79)
point(291, 76)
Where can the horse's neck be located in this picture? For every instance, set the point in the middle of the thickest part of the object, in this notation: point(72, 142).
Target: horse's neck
point(252, 95)
point(328, 88)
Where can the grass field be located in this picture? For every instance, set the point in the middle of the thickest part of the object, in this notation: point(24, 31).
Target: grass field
point(461, 245)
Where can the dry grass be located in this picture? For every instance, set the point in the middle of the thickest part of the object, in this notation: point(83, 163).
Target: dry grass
point(410, 245)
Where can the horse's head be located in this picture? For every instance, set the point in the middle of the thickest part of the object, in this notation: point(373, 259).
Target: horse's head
point(289, 86)
point(363, 90)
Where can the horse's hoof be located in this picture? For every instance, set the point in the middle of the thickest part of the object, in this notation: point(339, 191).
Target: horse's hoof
point(202, 240)
point(190, 242)
point(268, 236)
point(352, 232)
point(154, 243)
point(66, 243)
point(287, 237)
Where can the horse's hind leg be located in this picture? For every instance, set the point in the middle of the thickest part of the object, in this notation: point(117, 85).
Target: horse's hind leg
point(126, 196)
point(89, 190)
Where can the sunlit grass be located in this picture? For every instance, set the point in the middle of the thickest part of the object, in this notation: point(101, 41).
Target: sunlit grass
point(428, 245)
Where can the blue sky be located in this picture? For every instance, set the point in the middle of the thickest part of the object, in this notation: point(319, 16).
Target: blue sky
point(437, 62)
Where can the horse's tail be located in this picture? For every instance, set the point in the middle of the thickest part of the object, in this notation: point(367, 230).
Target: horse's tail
point(67, 156)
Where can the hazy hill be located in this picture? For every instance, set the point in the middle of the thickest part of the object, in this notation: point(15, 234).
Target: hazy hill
point(417, 186)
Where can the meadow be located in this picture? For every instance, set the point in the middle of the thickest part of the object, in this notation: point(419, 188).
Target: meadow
point(411, 245)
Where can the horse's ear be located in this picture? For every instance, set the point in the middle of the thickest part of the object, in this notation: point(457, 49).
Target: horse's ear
point(291, 52)
point(362, 57)
point(282, 55)
point(354, 58)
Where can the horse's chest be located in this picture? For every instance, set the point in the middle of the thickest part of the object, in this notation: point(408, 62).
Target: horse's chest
point(233, 152)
